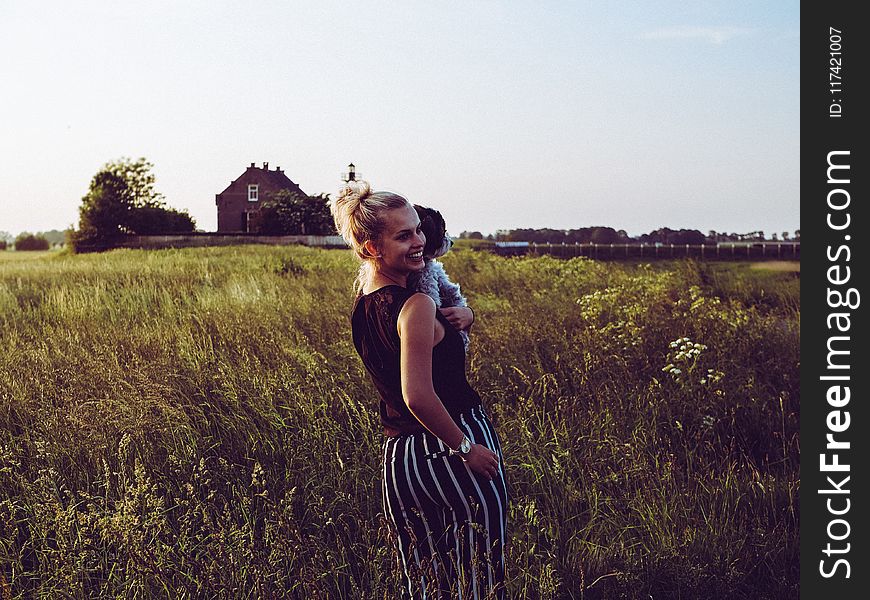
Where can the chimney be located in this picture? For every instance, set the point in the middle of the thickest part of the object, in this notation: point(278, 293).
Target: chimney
point(278, 169)
point(265, 166)
point(252, 166)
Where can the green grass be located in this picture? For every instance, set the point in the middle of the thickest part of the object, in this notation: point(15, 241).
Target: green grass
point(195, 423)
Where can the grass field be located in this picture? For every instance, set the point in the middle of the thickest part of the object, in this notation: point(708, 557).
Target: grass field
point(196, 424)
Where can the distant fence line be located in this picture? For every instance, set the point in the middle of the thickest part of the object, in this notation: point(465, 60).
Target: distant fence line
point(720, 251)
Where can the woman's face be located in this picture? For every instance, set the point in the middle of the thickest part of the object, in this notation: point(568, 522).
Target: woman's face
point(402, 241)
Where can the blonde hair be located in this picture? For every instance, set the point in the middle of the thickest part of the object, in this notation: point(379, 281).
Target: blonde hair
point(357, 212)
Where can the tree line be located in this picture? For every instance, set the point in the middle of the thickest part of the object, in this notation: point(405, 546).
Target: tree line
point(609, 235)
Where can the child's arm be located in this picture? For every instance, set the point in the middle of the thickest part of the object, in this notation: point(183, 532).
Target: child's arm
point(461, 317)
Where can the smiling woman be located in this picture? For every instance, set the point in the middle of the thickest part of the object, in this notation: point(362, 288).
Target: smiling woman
point(400, 248)
point(443, 485)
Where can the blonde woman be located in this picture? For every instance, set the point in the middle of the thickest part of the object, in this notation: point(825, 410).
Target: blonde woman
point(443, 485)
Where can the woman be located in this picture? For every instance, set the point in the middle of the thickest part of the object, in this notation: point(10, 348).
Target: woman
point(443, 474)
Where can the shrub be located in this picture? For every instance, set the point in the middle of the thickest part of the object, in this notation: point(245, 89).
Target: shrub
point(29, 241)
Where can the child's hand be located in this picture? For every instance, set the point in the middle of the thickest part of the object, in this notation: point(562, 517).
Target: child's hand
point(461, 317)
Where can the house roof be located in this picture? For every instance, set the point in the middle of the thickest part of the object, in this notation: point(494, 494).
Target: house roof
point(278, 178)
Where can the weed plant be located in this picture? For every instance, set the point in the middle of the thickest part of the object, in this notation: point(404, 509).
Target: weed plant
point(196, 424)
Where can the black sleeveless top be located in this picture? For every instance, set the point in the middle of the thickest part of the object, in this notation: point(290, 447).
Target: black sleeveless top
point(376, 338)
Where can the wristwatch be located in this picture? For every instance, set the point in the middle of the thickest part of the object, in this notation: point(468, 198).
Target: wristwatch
point(464, 448)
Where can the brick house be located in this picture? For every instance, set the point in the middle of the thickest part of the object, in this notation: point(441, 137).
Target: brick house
point(237, 206)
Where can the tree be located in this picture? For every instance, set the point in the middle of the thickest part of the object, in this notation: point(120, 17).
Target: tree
point(292, 213)
point(121, 201)
point(139, 181)
point(666, 235)
point(101, 216)
point(28, 241)
point(604, 235)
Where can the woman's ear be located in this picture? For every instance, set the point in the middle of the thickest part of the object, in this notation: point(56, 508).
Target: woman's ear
point(371, 249)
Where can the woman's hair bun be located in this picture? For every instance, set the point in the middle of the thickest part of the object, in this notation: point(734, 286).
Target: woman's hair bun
point(346, 206)
point(359, 222)
point(353, 193)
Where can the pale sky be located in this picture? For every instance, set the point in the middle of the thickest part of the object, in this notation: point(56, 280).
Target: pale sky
point(635, 115)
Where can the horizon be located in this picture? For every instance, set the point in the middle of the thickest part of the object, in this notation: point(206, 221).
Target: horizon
point(485, 234)
point(500, 115)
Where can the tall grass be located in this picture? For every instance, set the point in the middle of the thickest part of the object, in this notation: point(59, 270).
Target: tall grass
point(196, 423)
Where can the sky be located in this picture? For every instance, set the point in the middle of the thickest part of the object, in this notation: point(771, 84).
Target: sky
point(634, 115)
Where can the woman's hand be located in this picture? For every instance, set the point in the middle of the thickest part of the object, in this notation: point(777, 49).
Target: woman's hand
point(482, 461)
point(461, 317)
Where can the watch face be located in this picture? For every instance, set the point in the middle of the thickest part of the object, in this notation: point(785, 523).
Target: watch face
point(465, 446)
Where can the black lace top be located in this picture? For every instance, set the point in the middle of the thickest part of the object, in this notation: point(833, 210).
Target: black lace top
point(376, 338)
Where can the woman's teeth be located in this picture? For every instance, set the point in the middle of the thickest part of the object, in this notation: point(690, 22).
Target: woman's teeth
point(416, 255)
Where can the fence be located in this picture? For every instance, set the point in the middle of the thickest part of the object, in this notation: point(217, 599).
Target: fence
point(720, 251)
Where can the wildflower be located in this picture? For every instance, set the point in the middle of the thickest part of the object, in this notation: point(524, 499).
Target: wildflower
point(258, 478)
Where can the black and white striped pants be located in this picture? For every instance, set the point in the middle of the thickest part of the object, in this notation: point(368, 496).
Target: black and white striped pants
point(449, 521)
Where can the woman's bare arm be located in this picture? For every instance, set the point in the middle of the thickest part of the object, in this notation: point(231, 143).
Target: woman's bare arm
point(417, 327)
point(417, 334)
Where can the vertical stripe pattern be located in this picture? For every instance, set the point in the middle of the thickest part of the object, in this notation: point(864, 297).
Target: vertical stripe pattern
point(449, 522)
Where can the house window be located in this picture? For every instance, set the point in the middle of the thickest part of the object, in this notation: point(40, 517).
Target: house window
point(253, 192)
